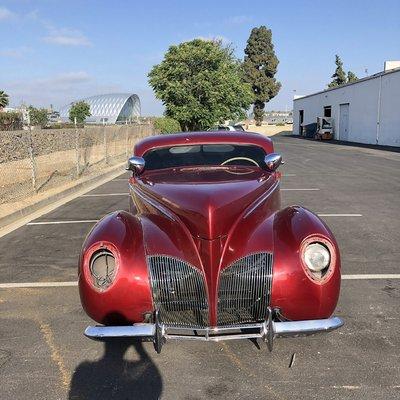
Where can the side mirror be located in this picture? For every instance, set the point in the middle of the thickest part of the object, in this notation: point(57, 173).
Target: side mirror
point(273, 161)
point(136, 165)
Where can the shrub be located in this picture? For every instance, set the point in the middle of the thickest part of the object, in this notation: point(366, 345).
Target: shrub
point(38, 116)
point(11, 120)
point(62, 125)
point(167, 125)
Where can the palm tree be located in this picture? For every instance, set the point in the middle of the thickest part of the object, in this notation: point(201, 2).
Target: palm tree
point(3, 100)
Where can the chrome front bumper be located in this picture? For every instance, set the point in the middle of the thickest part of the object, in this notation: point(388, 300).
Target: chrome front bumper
point(267, 331)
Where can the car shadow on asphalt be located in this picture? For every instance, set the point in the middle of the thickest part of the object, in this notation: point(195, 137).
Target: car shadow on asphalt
point(114, 377)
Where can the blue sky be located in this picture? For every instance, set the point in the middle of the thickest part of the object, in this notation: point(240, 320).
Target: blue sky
point(53, 52)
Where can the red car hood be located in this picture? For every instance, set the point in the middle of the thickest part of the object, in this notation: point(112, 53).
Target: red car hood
point(207, 200)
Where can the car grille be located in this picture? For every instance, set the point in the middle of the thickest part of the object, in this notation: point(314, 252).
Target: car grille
point(178, 292)
point(180, 295)
point(244, 290)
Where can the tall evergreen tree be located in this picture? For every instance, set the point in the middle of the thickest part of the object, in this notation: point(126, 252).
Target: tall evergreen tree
point(260, 66)
point(339, 77)
point(351, 77)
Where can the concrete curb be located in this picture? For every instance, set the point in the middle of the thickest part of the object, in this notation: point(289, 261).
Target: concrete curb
point(88, 184)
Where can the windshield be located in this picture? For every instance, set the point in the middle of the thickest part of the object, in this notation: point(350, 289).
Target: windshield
point(205, 154)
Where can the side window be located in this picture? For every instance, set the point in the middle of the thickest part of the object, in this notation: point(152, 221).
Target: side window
point(328, 111)
point(301, 121)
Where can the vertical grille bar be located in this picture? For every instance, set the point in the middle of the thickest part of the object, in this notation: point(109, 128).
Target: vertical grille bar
point(245, 289)
point(178, 291)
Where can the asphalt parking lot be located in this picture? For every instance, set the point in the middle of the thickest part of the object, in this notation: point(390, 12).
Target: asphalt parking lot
point(44, 355)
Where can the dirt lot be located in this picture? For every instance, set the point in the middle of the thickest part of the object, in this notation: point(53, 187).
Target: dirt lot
point(270, 130)
point(44, 355)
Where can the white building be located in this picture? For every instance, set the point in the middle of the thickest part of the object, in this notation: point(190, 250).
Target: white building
point(366, 111)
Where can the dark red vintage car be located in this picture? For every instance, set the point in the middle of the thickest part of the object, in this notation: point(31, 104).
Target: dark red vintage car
point(205, 251)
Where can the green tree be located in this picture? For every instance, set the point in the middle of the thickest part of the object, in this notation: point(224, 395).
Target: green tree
point(339, 77)
point(167, 125)
point(38, 116)
point(79, 110)
point(200, 83)
point(260, 66)
point(351, 77)
point(3, 99)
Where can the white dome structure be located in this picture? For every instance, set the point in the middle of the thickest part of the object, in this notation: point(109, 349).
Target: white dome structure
point(111, 108)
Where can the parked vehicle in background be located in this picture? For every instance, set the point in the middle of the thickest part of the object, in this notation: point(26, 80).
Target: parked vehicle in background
point(324, 128)
point(231, 128)
point(238, 128)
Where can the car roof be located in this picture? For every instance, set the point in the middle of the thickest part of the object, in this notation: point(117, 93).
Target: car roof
point(209, 137)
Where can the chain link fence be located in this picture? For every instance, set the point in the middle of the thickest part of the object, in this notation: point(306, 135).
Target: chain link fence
point(33, 161)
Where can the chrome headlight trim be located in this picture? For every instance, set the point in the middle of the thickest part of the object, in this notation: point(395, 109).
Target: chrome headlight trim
point(102, 268)
point(327, 258)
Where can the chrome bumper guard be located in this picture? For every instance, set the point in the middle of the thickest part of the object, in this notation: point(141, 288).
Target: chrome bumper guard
point(267, 331)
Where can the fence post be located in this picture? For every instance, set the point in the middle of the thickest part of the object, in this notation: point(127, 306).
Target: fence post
point(126, 142)
point(77, 152)
point(105, 145)
point(31, 155)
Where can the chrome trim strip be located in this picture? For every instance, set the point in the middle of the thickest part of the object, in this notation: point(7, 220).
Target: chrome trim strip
point(213, 330)
point(214, 338)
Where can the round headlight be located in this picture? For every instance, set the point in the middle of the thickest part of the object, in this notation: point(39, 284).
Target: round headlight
point(102, 269)
point(317, 257)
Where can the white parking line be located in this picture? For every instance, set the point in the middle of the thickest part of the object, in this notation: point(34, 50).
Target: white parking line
point(104, 194)
point(371, 276)
point(300, 189)
point(339, 215)
point(65, 199)
point(82, 221)
point(17, 285)
point(36, 285)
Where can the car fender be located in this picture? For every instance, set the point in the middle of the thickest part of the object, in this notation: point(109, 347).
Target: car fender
point(293, 290)
point(130, 238)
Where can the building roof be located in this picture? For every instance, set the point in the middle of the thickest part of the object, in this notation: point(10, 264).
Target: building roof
point(367, 78)
point(109, 108)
